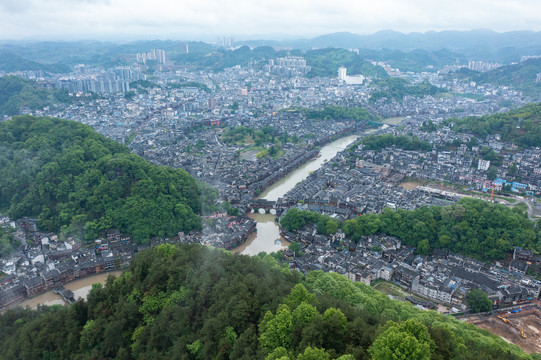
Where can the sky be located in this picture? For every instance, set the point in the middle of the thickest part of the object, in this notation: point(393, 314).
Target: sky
point(244, 19)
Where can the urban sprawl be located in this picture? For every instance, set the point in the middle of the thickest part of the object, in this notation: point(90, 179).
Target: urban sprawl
point(241, 130)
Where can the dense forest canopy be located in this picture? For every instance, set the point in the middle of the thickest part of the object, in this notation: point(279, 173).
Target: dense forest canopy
point(16, 92)
point(521, 126)
point(378, 142)
point(471, 227)
point(192, 302)
point(396, 89)
point(75, 180)
point(340, 113)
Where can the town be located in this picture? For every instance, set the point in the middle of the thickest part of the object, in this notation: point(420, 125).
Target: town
point(243, 129)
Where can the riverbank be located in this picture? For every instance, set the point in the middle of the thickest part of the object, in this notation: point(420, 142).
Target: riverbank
point(281, 187)
point(267, 237)
point(80, 287)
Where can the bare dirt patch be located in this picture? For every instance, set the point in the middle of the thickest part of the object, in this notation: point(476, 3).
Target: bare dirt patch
point(409, 185)
point(527, 321)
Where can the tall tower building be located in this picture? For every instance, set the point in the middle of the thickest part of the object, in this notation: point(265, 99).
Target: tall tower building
point(342, 73)
point(160, 56)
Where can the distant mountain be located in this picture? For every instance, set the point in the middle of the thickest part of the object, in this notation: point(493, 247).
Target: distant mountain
point(94, 52)
point(476, 44)
point(10, 62)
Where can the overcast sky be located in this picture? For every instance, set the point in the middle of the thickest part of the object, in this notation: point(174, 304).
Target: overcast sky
point(205, 19)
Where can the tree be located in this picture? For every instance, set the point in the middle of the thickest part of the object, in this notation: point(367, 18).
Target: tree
point(492, 172)
point(295, 247)
point(298, 295)
point(423, 247)
point(279, 353)
point(478, 301)
point(408, 340)
point(331, 227)
point(311, 353)
point(276, 330)
point(293, 219)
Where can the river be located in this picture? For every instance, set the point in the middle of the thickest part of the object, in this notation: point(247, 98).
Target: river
point(267, 238)
point(80, 287)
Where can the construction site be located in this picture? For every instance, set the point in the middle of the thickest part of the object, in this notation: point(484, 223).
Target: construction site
point(519, 325)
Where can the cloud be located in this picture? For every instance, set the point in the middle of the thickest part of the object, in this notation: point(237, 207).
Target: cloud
point(184, 18)
point(14, 6)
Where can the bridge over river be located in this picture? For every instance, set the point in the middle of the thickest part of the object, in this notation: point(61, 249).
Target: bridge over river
point(267, 238)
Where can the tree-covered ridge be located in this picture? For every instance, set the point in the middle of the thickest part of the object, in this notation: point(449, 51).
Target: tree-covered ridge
point(520, 76)
point(396, 89)
point(325, 62)
point(378, 142)
point(73, 179)
point(521, 126)
point(10, 62)
point(340, 113)
point(220, 59)
point(193, 302)
point(16, 92)
point(470, 227)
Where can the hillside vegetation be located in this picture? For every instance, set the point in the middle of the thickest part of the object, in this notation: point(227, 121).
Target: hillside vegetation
point(325, 62)
point(10, 62)
point(16, 93)
point(340, 113)
point(192, 302)
point(520, 76)
point(77, 181)
point(470, 227)
point(521, 126)
point(396, 89)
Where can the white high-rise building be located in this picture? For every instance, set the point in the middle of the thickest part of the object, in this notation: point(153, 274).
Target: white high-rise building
point(342, 73)
point(160, 56)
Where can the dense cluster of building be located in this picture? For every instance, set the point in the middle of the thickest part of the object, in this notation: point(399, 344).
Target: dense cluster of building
point(45, 262)
point(443, 278)
point(113, 81)
point(178, 118)
point(289, 66)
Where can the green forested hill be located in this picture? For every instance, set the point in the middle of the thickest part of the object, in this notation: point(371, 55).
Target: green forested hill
point(16, 92)
point(471, 227)
point(76, 180)
point(521, 126)
point(520, 76)
point(11, 62)
point(325, 62)
point(192, 302)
